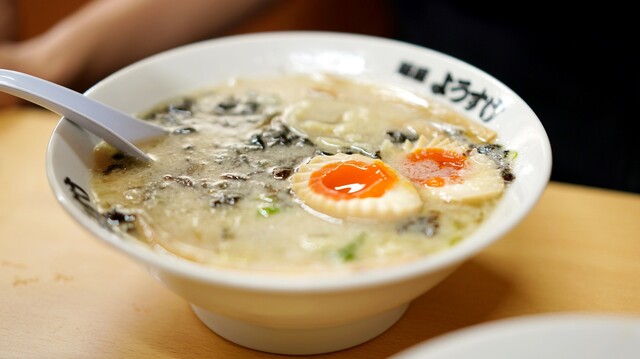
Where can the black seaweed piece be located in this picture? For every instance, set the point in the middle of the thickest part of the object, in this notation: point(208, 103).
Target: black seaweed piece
point(184, 105)
point(168, 113)
point(488, 149)
point(236, 107)
point(221, 199)
point(427, 225)
point(226, 105)
point(234, 176)
point(184, 131)
point(181, 180)
point(278, 134)
point(256, 140)
point(112, 167)
point(323, 153)
point(507, 175)
point(120, 161)
point(499, 155)
point(115, 217)
point(282, 173)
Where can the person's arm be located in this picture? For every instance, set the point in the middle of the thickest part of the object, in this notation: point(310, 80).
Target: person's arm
point(7, 20)
point(106, 35)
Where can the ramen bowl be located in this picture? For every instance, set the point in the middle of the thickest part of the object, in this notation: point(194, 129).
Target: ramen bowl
point(299, 314)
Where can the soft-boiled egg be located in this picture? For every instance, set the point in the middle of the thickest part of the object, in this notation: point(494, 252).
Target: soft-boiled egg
point(445, 169)
point(355, 187)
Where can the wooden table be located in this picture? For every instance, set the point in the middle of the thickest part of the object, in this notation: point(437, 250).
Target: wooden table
point(64, 294)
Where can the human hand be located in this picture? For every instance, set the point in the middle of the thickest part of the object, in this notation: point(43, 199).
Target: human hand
point(6, 62)
point(33, 57)
point(8, 100)
point(7, 30)
point(7, 19)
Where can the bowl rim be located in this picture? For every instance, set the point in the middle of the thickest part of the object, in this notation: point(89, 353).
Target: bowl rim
point(283, 282)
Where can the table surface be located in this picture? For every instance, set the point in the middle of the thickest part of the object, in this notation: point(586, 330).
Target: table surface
point(64, 294)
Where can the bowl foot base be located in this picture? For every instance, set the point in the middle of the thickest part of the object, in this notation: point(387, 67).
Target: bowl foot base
point(299, 341)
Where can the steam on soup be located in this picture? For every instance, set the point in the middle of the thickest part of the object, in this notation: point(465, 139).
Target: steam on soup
point(304, 174)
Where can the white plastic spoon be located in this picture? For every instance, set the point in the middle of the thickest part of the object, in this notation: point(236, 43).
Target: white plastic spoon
point(115, 127)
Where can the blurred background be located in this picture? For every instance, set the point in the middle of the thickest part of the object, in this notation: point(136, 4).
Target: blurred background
point(573, 65)
point(371, 16)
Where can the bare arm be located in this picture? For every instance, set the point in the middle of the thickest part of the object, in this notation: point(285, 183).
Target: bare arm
point(7, 19)
point(106, 35)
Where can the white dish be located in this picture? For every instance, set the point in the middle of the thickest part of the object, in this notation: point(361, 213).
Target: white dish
point(550, 336)
point(296, 314)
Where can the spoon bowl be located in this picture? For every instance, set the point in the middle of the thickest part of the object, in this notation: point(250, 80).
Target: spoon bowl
point(115, 127)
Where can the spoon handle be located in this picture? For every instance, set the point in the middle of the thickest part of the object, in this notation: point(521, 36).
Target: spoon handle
point(113, 126)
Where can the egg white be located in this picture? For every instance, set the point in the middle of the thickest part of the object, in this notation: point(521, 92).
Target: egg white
point(480, 178)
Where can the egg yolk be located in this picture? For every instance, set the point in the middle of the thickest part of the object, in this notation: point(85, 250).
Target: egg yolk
point(352, 179)
point(430, 166)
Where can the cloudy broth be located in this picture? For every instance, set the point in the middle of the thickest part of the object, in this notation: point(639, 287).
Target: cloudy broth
point(220, 191)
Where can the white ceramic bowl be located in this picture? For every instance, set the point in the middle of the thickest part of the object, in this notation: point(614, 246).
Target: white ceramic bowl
point(275, 313)
point(549, 336)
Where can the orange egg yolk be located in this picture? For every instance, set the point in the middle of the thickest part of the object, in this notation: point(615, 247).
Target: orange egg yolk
point(447, 165)
point(352, 179)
